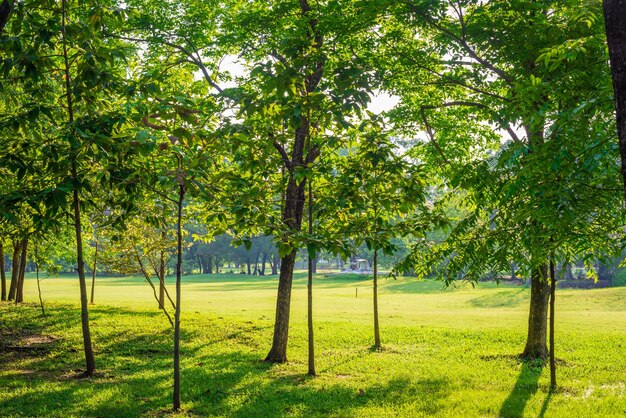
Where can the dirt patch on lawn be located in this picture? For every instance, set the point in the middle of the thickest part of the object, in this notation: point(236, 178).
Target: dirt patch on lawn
point(15, 343)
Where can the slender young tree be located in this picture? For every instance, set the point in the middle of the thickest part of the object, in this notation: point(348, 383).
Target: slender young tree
point(3, 276)
point(311, 257)
point(552, 302)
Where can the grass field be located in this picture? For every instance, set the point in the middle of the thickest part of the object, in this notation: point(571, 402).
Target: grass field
point(446, 352)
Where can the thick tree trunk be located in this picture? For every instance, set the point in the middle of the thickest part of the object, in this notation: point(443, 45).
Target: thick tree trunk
point(376, 325)
point(615, 24)
point(278, 352)
point(552, 295)
point(19, 289)
point(294, 193)
point(210, 264)
point(3, 275)
point(248, 264)
point(292, 216)
point(536, 347)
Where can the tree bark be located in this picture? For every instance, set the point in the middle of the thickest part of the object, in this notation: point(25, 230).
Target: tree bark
point(263, 261)
point(15, 269)
point(274, 264)
point(43, 311)
point(536, 347)
point(162, 280)
point(256, 264)
point(311, 371)
point(93, 275)
point(615, 25)
point(376, 325)
point(5, 12)
point(278, 352)
point(3, 275)
point(179, 263)
point(210, 264)
point(19, 289)
point(294, 193)
point(552, 295)
point(84, 308)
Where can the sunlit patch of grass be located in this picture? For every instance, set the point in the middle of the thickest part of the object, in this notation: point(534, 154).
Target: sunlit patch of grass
point(445, 352)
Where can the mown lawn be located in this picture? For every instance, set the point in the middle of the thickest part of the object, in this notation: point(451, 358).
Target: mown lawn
point(446, 352)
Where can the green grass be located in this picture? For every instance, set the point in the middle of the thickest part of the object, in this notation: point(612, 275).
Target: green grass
point(446, 352)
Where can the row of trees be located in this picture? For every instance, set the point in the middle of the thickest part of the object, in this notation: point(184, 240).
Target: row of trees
point(500, 150)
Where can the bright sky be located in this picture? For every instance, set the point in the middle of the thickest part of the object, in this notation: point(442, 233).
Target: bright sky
point(381, 102)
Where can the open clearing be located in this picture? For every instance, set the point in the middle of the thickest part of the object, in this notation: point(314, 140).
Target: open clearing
point(446, 352)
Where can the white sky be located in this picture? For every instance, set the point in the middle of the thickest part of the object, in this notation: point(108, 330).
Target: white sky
point(381, 101)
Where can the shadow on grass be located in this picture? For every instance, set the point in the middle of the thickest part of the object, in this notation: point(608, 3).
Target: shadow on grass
point(134, 376)
point(525, 388)
point(546, 402)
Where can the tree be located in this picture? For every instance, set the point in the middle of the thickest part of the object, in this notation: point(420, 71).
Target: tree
point(615, 26)
point(77, 130)
point(519, 68)
point(379, 195)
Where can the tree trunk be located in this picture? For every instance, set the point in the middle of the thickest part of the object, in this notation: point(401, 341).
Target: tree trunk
point(536, 347)
point(93, 275)
point(274, 264)
point(84, 309)
point(278, 352)
point(552, 295)
point(263, 261)
point(256, 263)
point(201, 265)
point(311, 371)
point(248, 264)
point(376, 325)
point(90, 360)
point(162, 280)
point(294, 193)
point(210, 264)
point(43, 311)
point(19, 289)
point(292, 216)
point(5, 12)
point(179, 263)
point(15, 269)
point(615, 24)
point(3, 275)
